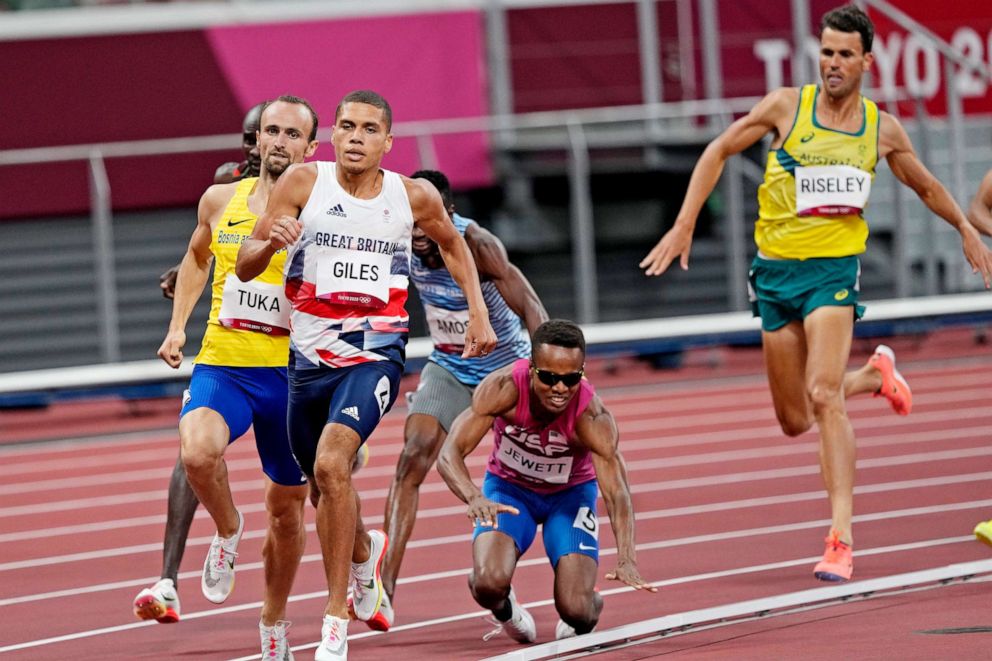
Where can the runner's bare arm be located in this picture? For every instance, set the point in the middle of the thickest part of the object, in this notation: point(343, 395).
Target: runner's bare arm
point(430, 216)
point(772, 113)
point(494, 265)
point(225, 174)
point(895, 146)
point(597, 430)
point(279, 225)
point(496, 395)
point(194, 270)
point(980, 211)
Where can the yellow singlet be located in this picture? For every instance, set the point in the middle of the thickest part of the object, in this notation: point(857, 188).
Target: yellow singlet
point(258, 305)
point(816, 187)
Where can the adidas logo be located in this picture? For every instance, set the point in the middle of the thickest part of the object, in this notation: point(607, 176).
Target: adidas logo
point(352, 411)
point(337, 210)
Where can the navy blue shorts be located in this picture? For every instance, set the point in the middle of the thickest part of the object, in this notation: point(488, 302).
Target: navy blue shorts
point(356, 396)
point(249, 396)
point(569, 517)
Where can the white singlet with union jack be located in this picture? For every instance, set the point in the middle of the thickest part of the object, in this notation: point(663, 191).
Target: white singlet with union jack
point(347, 276)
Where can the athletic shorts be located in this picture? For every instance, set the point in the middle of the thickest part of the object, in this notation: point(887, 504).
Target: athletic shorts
point(249, 396)
point(569, 517)
point(440, 395)
point(356, 396)
point(785, 290)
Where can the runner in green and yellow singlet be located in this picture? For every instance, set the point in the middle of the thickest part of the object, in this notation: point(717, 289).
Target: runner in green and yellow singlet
point(811, 228)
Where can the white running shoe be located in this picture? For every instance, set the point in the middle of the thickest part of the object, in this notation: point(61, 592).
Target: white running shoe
point(564, 630)
point(218, 569)
point(333, 640)
point(361, 458)
point(520, 627)
point(159, 602)
point(366, 578)
point(275, 647)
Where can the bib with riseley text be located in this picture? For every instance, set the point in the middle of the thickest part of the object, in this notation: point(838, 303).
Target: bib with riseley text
point(831, 190)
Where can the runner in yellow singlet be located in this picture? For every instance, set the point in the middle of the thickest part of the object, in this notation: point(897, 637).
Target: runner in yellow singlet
point(811, 229)
point(239, 379)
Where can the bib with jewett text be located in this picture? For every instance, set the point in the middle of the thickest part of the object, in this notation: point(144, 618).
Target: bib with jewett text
point(831, 190)
point(447, 328)
point(523, 452)
point(254, 306)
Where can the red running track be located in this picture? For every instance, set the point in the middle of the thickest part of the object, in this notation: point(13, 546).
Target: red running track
point(728, 509)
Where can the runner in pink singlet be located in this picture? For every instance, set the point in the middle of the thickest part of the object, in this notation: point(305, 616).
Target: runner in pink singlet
point(554, 442)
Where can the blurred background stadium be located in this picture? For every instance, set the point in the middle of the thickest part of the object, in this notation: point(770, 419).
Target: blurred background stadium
point(567, 127)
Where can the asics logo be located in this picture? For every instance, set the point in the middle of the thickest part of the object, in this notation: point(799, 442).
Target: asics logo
point(809, 136)
point(337, 210)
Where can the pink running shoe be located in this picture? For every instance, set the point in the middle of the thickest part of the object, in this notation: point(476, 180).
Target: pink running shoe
point(894, 387)
point(837, 564)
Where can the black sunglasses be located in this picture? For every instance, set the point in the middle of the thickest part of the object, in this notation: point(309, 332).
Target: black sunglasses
point(550, 378)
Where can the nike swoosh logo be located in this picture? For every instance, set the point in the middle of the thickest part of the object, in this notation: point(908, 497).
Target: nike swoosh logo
point(232, 223)
point(583, 547)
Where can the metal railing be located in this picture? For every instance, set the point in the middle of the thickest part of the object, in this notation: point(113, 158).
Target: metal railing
point(577, 133)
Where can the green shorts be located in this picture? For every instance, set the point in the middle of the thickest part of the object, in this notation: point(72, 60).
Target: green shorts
point(784, 290)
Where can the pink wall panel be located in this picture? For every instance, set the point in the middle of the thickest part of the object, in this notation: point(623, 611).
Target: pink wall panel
point(428, 66)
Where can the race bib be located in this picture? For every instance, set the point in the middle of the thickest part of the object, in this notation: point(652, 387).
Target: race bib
point(553, 470)
point(585, 519)
point(447, 328)
point(831, 190)
point(254, 306)
point(353, 277)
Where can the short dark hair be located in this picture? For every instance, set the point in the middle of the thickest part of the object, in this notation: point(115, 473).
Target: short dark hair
point(440, 182)
point(559, 333)
point(372, 99)
point(850, 18)
point(253, 117)
point(289, 98)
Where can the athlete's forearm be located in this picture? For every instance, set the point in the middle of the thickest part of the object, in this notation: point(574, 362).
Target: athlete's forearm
point(704, 178)
point(980, 213)
point(939, 200)
point(458, 260)
point(254, 256)
point(621, 513)
point(520, 296)
point(192, 277)
point(451, 465)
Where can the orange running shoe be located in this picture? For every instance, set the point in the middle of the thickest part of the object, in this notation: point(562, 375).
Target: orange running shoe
point(837, 564)
point(894, 387)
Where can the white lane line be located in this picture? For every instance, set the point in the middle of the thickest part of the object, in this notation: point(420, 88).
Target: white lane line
point(744, 608)
point(458, 510)
point(622, 407)
point(657, 427)
point(322, 594)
